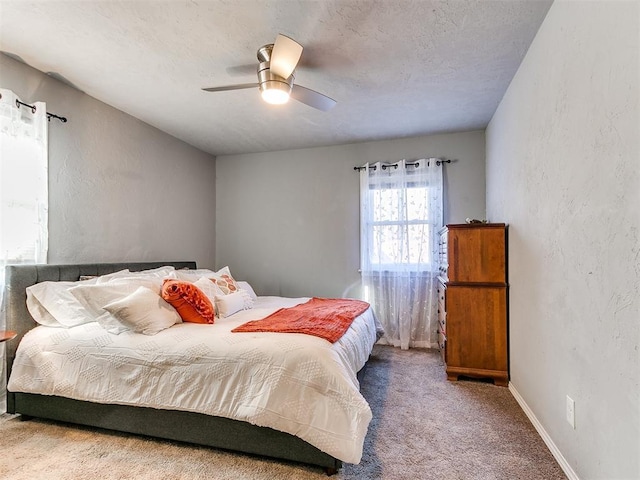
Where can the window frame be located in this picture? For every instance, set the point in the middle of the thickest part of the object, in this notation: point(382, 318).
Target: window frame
point(371, 224)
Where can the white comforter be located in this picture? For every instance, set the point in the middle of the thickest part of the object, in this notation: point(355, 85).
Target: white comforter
point(294, 383)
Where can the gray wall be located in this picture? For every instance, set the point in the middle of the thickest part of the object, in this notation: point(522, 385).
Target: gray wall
point(563, 170)
point(288, 222)
point(119, 189)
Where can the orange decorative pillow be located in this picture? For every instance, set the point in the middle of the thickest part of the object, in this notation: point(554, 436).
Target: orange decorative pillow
point(190, 302)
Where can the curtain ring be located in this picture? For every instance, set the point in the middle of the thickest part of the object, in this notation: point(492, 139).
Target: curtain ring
point(33, 107)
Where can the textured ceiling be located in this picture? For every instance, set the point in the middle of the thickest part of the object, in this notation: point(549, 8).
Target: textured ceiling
point(397, 68)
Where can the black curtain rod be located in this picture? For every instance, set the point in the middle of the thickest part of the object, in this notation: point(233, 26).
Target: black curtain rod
point(408, 164)
point(33, 110)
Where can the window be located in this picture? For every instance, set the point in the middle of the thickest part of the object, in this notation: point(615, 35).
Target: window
point(400, 215)
point(23, 213)
point(399, 227)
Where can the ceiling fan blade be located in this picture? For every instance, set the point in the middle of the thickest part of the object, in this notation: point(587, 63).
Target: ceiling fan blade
point(285, 56)
point(230, 87)
point(312, 98)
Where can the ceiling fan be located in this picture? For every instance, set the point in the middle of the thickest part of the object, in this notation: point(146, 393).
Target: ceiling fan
point(276, 69)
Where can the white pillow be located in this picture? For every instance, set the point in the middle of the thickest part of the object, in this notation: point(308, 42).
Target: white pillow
point(53, 305)
point(248, 300)
point(248, 288)
point(94, 297)
point(210, 289)
point(93, 279)
point(225, 281)
point(156, 273)
point(143, 311)
point(227, 305)
point(192, 275)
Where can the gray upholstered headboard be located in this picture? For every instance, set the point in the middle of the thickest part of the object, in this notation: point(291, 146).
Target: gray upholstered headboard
point(19, 277)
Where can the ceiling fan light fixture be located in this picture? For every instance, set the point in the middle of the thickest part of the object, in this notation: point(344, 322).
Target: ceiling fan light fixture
point(275, 93)
point(274, 89)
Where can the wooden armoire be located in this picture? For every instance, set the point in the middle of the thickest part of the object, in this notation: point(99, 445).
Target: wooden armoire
point(472, 296)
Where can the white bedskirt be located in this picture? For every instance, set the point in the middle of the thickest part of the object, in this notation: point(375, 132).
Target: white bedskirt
point(295, 383)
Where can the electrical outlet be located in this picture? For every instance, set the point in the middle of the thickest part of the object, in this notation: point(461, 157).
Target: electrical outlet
point(571, 412)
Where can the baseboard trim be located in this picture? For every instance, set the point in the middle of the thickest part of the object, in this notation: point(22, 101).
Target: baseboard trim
point(555, 451)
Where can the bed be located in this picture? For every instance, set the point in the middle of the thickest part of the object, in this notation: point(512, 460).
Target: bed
point(186, 424)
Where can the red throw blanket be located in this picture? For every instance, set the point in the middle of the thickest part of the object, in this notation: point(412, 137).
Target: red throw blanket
point(327, 318)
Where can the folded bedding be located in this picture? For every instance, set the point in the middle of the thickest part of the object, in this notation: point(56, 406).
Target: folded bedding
point(296, 383)
point(327, 318)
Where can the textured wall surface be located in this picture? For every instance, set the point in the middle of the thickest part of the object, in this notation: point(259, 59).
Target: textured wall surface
point(289, 221)
point(119, 189)
point(563, 170)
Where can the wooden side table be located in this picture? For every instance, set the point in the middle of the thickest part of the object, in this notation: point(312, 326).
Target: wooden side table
point(7, 335)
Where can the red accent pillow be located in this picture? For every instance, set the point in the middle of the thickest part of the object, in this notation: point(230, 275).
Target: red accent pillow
point(190, 302)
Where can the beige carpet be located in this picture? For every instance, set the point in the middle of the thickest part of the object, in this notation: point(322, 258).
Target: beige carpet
point(424, 427)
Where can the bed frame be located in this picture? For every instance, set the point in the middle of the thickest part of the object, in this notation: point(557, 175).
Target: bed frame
point(182, 426)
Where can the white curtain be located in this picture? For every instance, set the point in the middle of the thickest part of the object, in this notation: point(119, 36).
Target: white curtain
point(400, 215)
point(23, 192)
